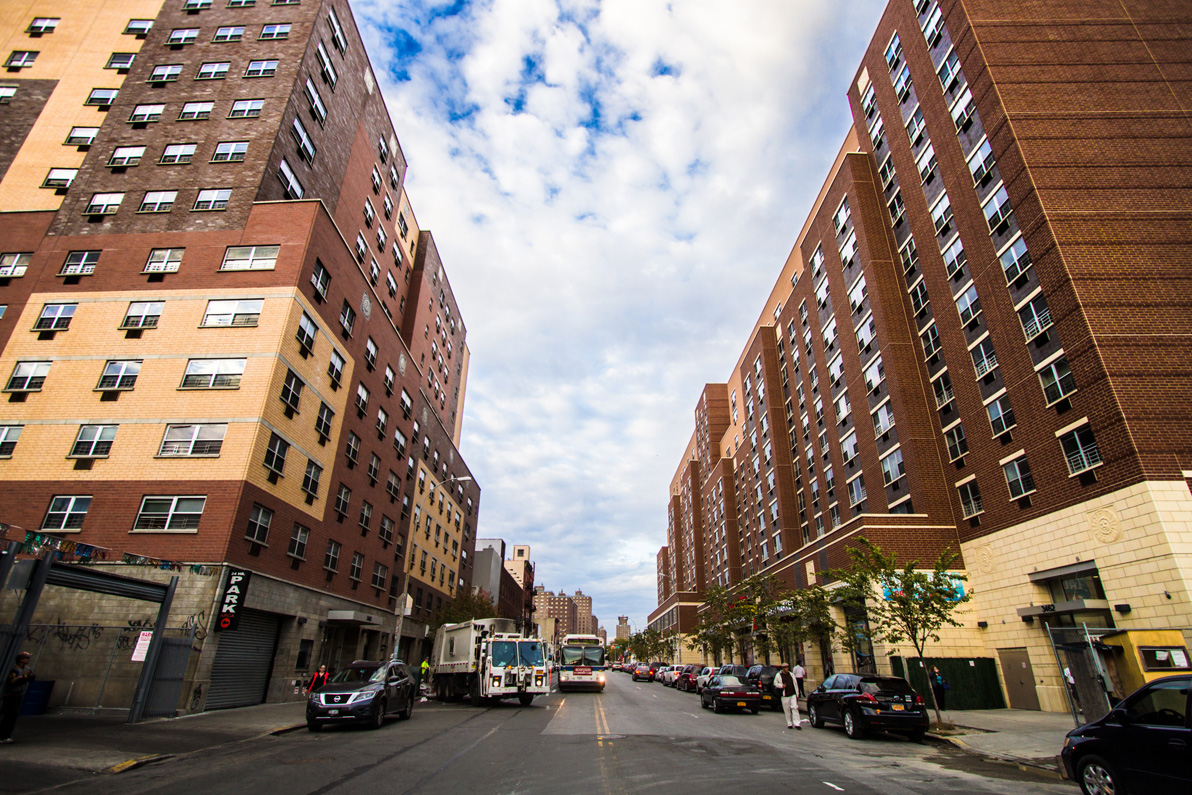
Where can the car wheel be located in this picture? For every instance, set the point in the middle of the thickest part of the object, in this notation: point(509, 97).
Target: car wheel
point(753, 710)
point(916, 736)
point(408, 712)
point(813, 715)
point(378, 716)
point(716, 706)
point(311, 726)
point(851, 727)
point(525, 698)
point(1097, 777)
point(702, 704)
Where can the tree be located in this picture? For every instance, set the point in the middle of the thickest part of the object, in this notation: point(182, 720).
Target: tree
point(903, 603)
point(804, 616)
point(619, 647)
point(715, 632)
point(465, 606)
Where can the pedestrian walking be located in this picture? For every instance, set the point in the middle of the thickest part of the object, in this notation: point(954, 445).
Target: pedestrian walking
point(939, 688)
point(424, 675)
point(15, 685)
point(800, 674)
point(319, 679)
point(789, 698)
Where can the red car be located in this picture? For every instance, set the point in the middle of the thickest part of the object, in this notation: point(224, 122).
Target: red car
point(685, 680)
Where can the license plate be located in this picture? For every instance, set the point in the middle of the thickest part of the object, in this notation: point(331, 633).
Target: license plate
point(740, 703)
point(766, 698)
point(898, 707)
point(333, 712)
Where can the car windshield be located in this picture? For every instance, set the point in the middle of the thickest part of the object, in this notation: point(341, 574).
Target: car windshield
point(354, 674)
point(885, 685)
point(727, 680)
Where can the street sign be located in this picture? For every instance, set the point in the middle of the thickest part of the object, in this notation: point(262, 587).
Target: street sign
point(233, 598)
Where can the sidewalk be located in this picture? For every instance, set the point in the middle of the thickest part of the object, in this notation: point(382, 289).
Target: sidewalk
point(81, 740)
point(1020, 736)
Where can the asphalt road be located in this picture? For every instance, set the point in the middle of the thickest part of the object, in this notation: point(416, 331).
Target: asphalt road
point(633, 738)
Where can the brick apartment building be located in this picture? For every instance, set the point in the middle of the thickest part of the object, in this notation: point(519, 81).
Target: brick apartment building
point(225, 339)
point(979, 341)
point(556, 610)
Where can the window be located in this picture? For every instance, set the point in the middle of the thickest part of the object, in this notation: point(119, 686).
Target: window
point(310, 480)
point(320, 279)
point(1001, 415)
point(195, 5)
point(193, 440)
point(892, 467)
point(1057, 380)
point(126, 155)
point(365, 522)
point(970, 499)
point(331, 559)
point(883, 419)
point(380, 576)
point(243, 3)
point(66, 513)
point(858, 294)
point(289, 180)
point(250, 258)
point(981, 162)
point(1035, 317)
point(336, 367)
point(984, 357)
point(180, 36)
point(164, 260)
point(291, 390)
point(323, 421)
point(102, 97)
point(9, 434)
point(261, 69)
point(347, 318)
point(305, 145)
point(165, 73)
point(902, 83)
point(963, 110)
point(316, 101)
point(142, 314)
point(357, 565)
point(997, 209)
point(402, 226)
point(7, 93)
point(213, 199)
point(104, 204)
point(388, 206)
point(246, 108)
point(14, 264)
point(233, 313)
point(230, 152)
point(370, 352)
point(194, 111)
point(394, 178)
point(382, 149)
point(941, 215)
point(273, 32)
point(213, 71)
point(389, 377)
point(969, 305)
point(875, 373)
point(957, 443)
point(119, 374)
point(369, 213)
point(213, 374)
point(298, 539)
point(19, 59)
point(170, 513)
point(931, 341)
point(352, 449)
point(325, 67)
point(93, 441)
point(258, 524)
point(1015, 260)
point(949, 72)
point(342, 499)
point(307, 329)
point(82, 136)
point(374, 468)
point(42, 25)
point(138, 27)
point(177, 154)
point(28, 377)
point(275, 454)
point(228, 34)
point(926, 164)
point(1018, 478)
point(361, 246)
point(856, 491)
point(955, 258)
point(55, 317)
point(848, 447)
point(159, 201)
point(337, 32)
point(919, 298)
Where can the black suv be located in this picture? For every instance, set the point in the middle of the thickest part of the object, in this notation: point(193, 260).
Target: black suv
point(363, 692)
point(861, 702)
point(763, 677)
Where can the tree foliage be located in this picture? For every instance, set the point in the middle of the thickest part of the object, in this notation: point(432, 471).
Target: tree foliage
point(465, 606)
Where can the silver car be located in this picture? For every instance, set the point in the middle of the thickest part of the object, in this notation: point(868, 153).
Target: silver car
point(702, 679)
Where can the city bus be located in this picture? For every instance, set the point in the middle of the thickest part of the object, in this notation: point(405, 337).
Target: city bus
point(579, 659)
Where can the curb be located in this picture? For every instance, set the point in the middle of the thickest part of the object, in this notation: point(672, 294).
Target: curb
point(1045, 769)
point(140, 761)
point(284, 730)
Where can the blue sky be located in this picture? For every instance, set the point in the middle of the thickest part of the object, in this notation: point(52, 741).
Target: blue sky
point(613, 188)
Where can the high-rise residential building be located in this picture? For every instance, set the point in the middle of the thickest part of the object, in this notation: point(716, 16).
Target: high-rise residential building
point(225, 338)
point(583, 609)
point(520, 566)
point(978, 342)
point(623, 629)
point(559, 608)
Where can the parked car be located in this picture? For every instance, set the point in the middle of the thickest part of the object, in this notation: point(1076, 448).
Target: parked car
point(702, 680)
point(363, 692)
point(672, 672)
point(763, 676)
point(642, 671)
point(655, 669)
point(865, 702)
point(733, 670)
point(1143, 745)
point(686, 678)
point(724, 692)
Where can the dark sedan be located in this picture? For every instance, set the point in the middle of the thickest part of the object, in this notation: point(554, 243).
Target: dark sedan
point(1143, 745)
point(642, 671)
point(763, 676)
point(363, 692)
point(867, 702)
point(725, 692)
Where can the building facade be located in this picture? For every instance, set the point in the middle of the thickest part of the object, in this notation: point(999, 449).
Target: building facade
point(977, 343)
point(225, 339)
point(561, 611)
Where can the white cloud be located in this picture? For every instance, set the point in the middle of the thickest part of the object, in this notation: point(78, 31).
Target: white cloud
point(612, 187)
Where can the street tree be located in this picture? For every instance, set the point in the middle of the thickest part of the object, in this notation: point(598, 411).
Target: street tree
point(805, 616)
point(466, 605)
point(902, 603)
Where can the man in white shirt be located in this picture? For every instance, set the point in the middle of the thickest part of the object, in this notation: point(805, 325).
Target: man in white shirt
point(800, 674)
point(785, 684)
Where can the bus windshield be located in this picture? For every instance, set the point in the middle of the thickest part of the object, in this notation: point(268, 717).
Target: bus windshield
point(582, 655)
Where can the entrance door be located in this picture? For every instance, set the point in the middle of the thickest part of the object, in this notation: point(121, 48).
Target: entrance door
point(1020, 678)
point(243, 661)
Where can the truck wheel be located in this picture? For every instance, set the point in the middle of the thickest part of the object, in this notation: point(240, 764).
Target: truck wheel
point(474, 693)
point(525, 699)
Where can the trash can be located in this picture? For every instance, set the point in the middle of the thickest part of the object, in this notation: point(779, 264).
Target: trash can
point(37, 697)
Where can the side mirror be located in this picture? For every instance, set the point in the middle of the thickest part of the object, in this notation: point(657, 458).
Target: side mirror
point(1119, 717)
point(819, 689)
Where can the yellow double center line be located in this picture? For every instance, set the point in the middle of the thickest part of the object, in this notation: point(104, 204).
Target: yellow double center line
point(601, 720)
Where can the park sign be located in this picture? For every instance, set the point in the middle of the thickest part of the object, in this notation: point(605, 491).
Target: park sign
point(232, 600)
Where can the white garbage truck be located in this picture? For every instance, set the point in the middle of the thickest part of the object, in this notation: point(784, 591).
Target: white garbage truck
point(487, 658)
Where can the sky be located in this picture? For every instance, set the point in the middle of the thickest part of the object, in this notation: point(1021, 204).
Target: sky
point(613, 188)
